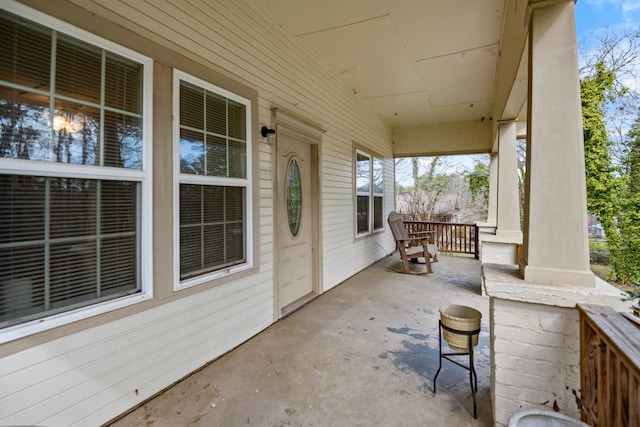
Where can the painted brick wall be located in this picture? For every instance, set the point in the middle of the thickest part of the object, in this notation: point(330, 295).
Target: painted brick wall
point(536, 349)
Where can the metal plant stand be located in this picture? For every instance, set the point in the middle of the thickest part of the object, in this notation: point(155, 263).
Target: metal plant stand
point(473, 377)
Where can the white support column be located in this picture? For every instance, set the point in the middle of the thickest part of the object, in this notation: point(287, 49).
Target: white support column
point(508, 224)
point(492, 213)
point(555, 231)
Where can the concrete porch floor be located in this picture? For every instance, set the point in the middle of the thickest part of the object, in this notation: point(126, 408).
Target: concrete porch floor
point(362, 354)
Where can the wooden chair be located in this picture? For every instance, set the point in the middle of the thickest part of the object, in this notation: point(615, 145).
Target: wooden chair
point(412, 245)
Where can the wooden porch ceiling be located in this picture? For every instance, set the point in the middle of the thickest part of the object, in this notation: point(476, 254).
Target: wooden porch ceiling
point(417, 62)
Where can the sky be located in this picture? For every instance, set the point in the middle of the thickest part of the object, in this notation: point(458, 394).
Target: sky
point(594, 15)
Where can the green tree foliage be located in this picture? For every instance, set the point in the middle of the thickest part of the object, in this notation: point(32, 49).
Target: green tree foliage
point(603, 184)
point(613, 193)
point(478, 180)
point(629, 218)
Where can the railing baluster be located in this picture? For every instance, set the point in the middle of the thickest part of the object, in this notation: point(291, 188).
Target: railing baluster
point(450, 237)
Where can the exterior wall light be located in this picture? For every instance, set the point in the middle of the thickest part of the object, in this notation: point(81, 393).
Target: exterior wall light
point(269, 134)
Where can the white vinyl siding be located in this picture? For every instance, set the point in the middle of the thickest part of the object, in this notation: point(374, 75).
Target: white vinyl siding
point(74, 175)
point(213, 164)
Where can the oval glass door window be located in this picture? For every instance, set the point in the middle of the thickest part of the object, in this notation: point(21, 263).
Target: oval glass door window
point(293, 197)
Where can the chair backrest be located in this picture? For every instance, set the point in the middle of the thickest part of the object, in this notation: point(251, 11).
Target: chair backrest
point(397, 226)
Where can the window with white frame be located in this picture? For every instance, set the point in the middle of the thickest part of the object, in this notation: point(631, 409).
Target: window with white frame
point(213, 181)
point(369, 193)
point(74, 175)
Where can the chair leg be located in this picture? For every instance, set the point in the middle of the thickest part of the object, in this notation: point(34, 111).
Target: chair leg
point(427, 262)
point(405, 265)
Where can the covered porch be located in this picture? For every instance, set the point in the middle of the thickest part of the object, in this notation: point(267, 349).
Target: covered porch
point(370, 362)
point(347, 87)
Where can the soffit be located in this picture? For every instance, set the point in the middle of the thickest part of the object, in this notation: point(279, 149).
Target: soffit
point(417, 62)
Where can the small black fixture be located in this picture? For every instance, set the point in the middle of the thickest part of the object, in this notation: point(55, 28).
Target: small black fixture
point(270, 134)
point(265, 132)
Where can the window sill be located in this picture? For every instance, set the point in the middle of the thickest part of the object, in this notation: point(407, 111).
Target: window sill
point(23, 330)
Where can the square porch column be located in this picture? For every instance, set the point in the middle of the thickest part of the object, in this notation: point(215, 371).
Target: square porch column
point(555, 246)
point(492, 209)
point(501, 246)
point(508, 220)
point(488, 227)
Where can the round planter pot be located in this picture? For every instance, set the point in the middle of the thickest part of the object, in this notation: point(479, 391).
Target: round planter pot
point(462, 318)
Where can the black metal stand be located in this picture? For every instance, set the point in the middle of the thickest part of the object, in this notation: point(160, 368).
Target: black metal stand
point(473, 377)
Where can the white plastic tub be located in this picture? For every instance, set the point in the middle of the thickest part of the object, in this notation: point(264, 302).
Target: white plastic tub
point(543, 418)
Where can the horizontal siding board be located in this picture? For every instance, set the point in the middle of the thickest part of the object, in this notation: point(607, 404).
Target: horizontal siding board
point(141, 351)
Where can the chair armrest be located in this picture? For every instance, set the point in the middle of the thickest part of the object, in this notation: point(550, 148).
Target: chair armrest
point(423, 235)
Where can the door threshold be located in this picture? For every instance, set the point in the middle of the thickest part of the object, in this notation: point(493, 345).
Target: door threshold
point(297, 304)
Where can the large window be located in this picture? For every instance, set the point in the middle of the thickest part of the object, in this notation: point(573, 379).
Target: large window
point(74, 175)
point(369, 183)
point(213, 181)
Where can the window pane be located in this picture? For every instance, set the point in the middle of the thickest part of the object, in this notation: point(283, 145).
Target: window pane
point(213, 209)
point(235, 243)
point(212, 228)
point(78, 69)
point(362, 214)
point(21, 281)
point(24, 122)
point(190, 250)
point(122, 140)
point(72, 207)
point(191, 106)
point(234, 204)
point(118, 206)
point(213, 245)
point(234, 214)
point(378, 177)
point(237, 159)
point(50, 260)
point(190, 204)
point(73, 273)
point(22, 208)
point(118, 266)
point(363, 173)
point(76, 129)
point(71, 134)
point(293, 197)
point(237, 120)
point(216, 156)
point(216, 113)
point(378, 213)
point(25, 52)
point(123, 84)
point(191, 152)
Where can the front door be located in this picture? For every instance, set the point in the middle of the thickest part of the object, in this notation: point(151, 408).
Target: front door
point(295, 217)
